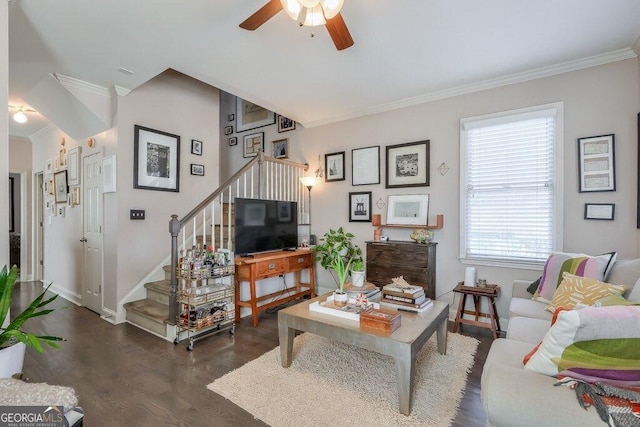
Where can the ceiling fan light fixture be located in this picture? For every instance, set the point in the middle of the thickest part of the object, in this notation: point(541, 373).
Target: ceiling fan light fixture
point(20, 117)
point(314, 17)
point(331, 7)
point(292, 7)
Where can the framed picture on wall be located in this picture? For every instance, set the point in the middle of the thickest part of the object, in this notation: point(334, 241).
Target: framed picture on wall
point(281, 148)
point(251, 116)
point(334, 166)
point(253, 144)
point(596, 163)
point(73, 165)
point(408, 165)
point(197, 169)
point(601, 211)
point(360, 206)
point(285, 124)
point(408, 209)
point(365, 166)
point(196, 147)
point(61, 187)
point(156, 160)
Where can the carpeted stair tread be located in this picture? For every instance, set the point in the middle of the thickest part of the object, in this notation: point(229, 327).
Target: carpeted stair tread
point(160, 286)
point(150, 309)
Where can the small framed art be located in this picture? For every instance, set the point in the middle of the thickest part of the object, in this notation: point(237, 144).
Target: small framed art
point(408, 165)
point(253, 144)
point(596, 163)
point(601, 211)
point(360, 206)
point(228, 130)
point(409, 209)
point(281, 148)
point(365, 166)
point(334, 166)
point(197, 169)
point(196, 147)
point(231, 117)
point(73, 165)
point(61, 186)
point(233, 140)
point(285, 124)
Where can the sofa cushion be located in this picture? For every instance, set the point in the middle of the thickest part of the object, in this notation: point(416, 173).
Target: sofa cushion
point(578, 264)
point(625, 273)
point(597, 339)
point(524, 307)
point(576, 290)
point(527, 329)
point(634, 295)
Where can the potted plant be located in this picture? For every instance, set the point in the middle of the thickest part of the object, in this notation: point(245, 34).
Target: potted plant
point(338, 253)
point(357, 273)
point(13, 339)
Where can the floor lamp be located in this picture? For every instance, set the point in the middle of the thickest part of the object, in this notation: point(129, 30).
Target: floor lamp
point(309, 182)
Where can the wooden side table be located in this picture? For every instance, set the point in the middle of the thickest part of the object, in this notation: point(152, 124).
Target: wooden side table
point(490, 292)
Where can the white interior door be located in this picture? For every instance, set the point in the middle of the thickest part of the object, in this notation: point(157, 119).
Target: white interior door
point(38, 270)
point(92, 231)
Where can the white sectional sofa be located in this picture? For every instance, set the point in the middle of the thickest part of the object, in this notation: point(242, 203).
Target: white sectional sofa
point(515, 397)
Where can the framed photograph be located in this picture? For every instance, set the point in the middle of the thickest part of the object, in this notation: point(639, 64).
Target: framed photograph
point(252, 144)
point(48, 187)
point(69, 200)
point(61, 211)
point(334, 166)
point(12, 221)
point(281, 148)
point(410, 209)
point(196, 147)
point(62, 158)
point(596, 163)
point(76, 196)
point(231, 117)
point(48, 166)
point(156, 160)
point(360, 206)
point(73, 165)
point(197, 169)
point(233, 140)
point(228, 130)
point(251, 116)
point(109, 174)
point(365, 166)
point(285, 124)
point(48, 204)
point(602, 211)
point(408, 165)
point(61, 186)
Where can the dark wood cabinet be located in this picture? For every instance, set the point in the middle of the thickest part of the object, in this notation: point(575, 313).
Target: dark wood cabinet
point(416, 262)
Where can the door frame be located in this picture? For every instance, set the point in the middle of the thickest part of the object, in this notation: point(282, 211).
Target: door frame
point(37, 226)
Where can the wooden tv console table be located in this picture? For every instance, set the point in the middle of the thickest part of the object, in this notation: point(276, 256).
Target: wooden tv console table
point(273, 264)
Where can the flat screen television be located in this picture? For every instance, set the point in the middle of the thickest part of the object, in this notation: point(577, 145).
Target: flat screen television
point(265, 225)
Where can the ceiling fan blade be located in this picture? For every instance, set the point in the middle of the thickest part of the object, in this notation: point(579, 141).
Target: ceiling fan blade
point(263, 14)
point(339, 32)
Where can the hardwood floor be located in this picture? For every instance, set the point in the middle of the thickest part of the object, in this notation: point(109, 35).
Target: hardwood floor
point(125, 376)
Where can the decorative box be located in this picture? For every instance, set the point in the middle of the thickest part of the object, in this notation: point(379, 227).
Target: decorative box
point(379, 319)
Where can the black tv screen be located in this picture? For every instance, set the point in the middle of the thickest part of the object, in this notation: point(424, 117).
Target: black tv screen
point(265, 225)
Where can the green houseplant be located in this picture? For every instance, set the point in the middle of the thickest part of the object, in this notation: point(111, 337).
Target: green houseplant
point(12, 333)
point(357, 273)
point(337, 252)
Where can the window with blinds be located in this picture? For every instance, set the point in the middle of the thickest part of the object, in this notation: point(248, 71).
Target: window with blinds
point(511, 186)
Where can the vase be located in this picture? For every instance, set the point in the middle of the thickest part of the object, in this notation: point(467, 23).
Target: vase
point(11, 360)
point(340, 298)
point(357, 278)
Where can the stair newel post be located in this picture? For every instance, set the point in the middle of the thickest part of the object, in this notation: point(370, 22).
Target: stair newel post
point(174, 229)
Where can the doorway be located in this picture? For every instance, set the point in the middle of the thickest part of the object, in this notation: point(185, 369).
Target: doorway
point(92, 231)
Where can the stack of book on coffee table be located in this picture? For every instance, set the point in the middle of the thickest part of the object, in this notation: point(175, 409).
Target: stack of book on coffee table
point(405, 297)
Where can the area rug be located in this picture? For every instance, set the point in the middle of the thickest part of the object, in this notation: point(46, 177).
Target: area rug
point(334, 384)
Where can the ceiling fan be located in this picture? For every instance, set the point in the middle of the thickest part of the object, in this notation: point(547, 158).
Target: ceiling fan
point(307, 13)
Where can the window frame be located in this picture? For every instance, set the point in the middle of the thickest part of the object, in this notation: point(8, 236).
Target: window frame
point(557, 109)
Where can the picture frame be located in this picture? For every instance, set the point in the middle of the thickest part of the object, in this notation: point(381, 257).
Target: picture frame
point(360, 204)
point(12, 221)
point(156, 160)
point(76, 196)
point(409, 209)
point(69, 200)
point(196, 147)
point(61, 186)
point(252, 144)
point(599, 211)
point(197, 169)
point(365, 166)
point(252, 116)
point(285, 124)
point(109, 175)
point(408, 165)
point(48, 166)
point(62, 158)
point(334, 166)
point(61, 211)
point(73, 165)
point(48, 186)
point(228, 130)
point(596, 163)
point(233, 141)
point(231, 117)
point(280, 148)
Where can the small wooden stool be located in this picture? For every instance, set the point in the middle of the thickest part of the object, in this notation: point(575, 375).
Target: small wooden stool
point(490, 292)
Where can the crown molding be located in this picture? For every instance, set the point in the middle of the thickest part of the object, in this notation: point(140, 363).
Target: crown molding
point(68, 82)
point(538, 73)
point(121, 91)
point(41, 132)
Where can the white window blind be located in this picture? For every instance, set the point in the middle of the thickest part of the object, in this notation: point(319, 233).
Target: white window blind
point(509, 186)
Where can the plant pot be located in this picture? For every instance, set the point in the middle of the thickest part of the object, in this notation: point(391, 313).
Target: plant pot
point(357, 278)
point(340, 298)
point(11, 360)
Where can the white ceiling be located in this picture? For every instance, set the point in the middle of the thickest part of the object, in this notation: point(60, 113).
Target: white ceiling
point(406, 51)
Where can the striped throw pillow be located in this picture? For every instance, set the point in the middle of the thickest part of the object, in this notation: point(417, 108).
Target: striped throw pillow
point(574, 290)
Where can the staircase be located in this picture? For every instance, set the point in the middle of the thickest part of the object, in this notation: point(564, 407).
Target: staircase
point(211, 223)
